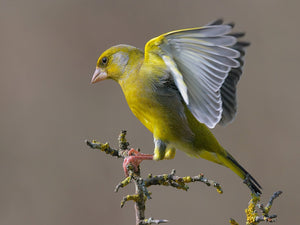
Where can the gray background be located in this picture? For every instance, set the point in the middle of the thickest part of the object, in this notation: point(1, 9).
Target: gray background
point(48, 108)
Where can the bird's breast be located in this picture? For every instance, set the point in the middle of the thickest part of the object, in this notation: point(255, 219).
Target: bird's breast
point(144, 106)
point(162, 112)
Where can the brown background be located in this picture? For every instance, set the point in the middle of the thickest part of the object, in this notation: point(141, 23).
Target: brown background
point(48, 108)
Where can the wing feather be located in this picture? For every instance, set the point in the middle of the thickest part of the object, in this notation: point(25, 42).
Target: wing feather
point(205, 64)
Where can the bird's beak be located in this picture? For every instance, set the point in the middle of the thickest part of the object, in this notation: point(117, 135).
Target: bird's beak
point(99, 75)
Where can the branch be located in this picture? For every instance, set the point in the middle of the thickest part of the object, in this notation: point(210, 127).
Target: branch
point(253, 217)
point(179, 182)
point(141, 185)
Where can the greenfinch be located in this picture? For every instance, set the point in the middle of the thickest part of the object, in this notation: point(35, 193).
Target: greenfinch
point(182, 85)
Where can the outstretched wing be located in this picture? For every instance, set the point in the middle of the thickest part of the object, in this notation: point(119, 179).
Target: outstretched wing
point(200, 61)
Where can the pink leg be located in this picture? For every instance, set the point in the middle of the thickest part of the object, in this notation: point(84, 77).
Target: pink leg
point(134, 158)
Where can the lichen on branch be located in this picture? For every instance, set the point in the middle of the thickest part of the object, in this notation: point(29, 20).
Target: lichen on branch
point(141, 185)
point(255, 208)
point(142, 194)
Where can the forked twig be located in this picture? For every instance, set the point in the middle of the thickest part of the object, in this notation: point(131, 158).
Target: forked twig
point(142, 194)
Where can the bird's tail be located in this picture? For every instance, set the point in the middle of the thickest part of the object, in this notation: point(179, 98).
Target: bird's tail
point(231, 163)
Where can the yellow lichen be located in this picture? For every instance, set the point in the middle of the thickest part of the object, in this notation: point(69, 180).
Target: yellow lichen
point(251, 212)
point(187, 179)
point(126, 181)
point(128, 198)
point(104, 147)
point(219, 190)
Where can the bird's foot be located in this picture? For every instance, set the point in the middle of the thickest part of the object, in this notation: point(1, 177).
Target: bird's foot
point(134, 159)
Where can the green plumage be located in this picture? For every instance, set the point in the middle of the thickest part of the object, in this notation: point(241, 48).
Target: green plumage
point(183, 83)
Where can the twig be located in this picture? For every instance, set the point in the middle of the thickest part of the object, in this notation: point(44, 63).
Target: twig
point(252, 214)
point(142, 194)
point(141, 185)
point(179, 182)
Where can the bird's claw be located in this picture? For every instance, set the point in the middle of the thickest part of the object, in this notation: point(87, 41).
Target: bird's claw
point(133, 160)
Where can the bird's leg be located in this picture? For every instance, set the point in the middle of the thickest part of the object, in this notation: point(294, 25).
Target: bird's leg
point(134, 158)
point(170, 153)
point(160, 149)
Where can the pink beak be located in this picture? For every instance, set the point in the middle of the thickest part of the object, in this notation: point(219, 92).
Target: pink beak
point(99, 75)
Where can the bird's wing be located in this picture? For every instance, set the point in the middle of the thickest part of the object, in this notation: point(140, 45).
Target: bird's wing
point(200, 60)
point(228, 89)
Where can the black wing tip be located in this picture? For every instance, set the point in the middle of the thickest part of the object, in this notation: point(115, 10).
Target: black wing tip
point(238, 34)
point(216, 22)
point(220, 21)
point(243, 43)
point(232, 24)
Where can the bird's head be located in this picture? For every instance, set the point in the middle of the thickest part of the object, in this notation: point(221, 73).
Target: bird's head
point(113, 62)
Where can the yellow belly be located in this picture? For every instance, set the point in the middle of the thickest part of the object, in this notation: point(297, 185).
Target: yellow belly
point(167, 117)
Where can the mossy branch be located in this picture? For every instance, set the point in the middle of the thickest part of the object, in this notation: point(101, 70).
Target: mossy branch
point(252, 212)
point(142, 184)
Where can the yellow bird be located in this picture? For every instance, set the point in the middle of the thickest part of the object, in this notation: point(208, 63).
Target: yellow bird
point(182, 84)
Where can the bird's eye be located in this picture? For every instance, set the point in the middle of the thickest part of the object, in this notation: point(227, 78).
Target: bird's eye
point(104, 60)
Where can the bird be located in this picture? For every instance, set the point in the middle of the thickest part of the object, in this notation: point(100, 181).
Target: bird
point(181, 86)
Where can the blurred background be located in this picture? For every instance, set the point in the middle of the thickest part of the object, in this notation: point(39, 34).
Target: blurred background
point(48, 53)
